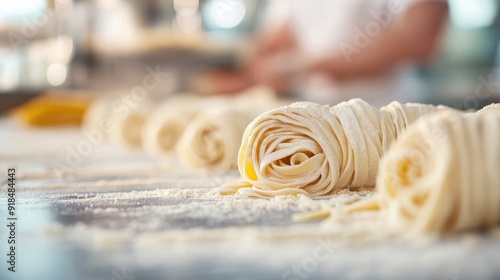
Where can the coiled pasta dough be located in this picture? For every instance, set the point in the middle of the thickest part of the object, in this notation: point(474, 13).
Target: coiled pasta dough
point(443, 174)
point(120, 123)
point(196, 116)
point(306, 148)
point(212, 139)
point(165, 125)
point(127, 132)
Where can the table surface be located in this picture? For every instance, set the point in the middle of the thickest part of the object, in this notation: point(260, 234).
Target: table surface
point(94, 211)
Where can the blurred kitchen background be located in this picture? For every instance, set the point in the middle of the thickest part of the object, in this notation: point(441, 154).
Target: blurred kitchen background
point(101, 45)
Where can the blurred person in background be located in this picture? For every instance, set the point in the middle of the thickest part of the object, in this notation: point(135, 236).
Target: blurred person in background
point(328, 51)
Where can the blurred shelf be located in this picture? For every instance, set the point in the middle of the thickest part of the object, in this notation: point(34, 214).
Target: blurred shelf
point(162, 40)
point(10, 34)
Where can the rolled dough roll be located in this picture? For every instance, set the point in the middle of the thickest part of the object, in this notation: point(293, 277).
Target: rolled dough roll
point(98, 111)
point(164, 127)
point(127, 127)
point(443, 174)
point(306, 148)
point(119, 122)
point(212, 139)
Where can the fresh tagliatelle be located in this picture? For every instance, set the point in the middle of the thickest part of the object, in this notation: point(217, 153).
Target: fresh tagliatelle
point(443, 174)
point(212, 139)
point(165, 125)
point(307, 148)
point(119, 123)
point(195, 116)
point(127, 132)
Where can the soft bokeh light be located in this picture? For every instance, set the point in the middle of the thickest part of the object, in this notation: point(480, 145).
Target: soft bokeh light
point(9, 70)
point(225, 14)
point(473, 14)
point(16, 10)
point(56, 74)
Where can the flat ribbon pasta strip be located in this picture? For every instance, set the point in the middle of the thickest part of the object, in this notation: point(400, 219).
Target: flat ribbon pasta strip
point(306, 148)
point(443, 174)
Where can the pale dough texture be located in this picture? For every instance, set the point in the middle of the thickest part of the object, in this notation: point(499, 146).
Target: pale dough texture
point(99, 110)
point(127, 131)
point(443, 174)
point(212, 139)
point(306, 148)
point(119, 123)
point(211, 127)
point(165, 125)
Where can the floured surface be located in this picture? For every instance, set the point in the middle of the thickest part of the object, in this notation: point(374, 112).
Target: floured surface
point(122, 214)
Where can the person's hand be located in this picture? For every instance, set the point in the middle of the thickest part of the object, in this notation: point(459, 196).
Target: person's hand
point(280, 71)
point(269, 64)
point(223, 81)
point(264, 70)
